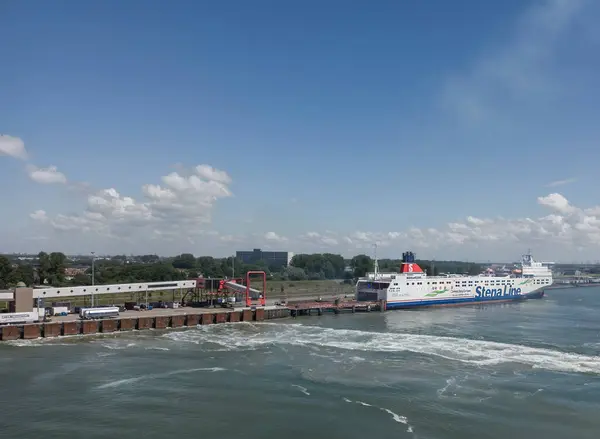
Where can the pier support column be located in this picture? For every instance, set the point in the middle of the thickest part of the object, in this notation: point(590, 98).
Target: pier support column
point(10, 333)
point(51, 330)
point(145, 323)
point(177, 321)
point(161, 322)
point(31, 332)
point(127, 324)
point(192, 320)
point(260, 314)
point(109, 325)
point(235, 316)
point(70, 328)
point(89, 327)
point(247, 315)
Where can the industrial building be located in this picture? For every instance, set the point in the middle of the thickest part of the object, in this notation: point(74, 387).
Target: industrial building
point(280, 259)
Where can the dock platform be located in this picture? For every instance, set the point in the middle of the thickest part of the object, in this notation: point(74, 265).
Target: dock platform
point(177, 318)
point(320, 307)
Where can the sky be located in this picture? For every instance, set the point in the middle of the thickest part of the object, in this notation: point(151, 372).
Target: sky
point(459, 130)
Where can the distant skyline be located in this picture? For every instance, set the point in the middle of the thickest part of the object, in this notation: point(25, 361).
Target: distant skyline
point(460, 130)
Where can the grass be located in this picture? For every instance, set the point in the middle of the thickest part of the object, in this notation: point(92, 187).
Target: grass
point(306, 287)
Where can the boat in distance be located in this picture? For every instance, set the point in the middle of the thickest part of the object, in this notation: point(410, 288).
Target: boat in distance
point(412, 287)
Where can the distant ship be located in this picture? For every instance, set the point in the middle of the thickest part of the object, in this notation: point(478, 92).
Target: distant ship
point(413, 288)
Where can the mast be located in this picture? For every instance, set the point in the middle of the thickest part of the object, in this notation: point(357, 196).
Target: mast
point(375, 263)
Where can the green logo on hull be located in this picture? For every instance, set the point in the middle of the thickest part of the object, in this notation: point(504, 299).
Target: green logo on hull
point(436, 293)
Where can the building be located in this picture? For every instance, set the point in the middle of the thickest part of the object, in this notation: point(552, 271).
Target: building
point(279, 259)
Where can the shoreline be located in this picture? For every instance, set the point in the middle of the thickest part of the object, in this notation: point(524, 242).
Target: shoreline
point(173, 318)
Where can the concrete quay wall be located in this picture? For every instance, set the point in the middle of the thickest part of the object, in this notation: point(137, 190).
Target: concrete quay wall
point(176, 320)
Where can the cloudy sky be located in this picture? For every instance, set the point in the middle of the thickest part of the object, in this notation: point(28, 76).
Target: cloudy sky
point(460, 130)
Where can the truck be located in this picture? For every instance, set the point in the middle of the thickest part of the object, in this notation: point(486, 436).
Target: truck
point(98, 313)
point(13, 318)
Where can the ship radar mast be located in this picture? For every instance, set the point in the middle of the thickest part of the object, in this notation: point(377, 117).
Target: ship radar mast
point(375, 263)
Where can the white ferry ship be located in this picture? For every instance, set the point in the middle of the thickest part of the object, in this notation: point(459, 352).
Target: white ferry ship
point(413, 288)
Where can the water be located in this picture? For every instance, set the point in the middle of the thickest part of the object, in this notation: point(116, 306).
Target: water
point(523, 370)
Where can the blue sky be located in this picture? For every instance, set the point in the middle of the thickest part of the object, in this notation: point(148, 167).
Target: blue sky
point(335, 125)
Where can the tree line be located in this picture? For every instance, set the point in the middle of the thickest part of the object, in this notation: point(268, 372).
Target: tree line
point(49, 268)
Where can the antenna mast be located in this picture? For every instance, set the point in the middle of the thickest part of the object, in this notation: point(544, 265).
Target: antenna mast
point(376, 264)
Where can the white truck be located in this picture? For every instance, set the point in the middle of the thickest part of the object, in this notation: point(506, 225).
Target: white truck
point(14, 318)
point(99, 313)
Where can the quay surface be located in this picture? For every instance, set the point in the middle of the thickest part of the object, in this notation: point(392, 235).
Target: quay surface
point(71, 324)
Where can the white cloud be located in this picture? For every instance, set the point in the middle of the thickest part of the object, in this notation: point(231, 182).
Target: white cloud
point(12, 147)
point(211, 174)
point(561, 182)
point(178, 214)
point(565, 230)
point(517, 70)
point(556, 202)
point(180, 208)
point(39, 215)
point(274, 237)
point(49, 175)
point(325, 240)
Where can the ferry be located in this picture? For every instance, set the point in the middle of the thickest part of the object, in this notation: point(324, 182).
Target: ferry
point(412, 287)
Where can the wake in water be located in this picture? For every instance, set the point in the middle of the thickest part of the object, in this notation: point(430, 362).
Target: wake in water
point(476, 352)
point(396, 417)
point(132, 380)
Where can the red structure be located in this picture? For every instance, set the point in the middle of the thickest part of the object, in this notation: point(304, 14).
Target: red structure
point(262, 299)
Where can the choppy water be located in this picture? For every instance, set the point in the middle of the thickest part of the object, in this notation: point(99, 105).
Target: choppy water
point(529, 370)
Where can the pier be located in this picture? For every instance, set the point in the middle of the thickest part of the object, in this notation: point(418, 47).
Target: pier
point(130, 320)
point(71, 324)
point(193, 303)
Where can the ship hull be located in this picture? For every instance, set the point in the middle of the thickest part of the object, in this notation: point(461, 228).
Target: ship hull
point(450, 302)
point(462, 301)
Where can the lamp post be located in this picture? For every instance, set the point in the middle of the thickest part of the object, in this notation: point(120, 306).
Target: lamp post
point(93, 275)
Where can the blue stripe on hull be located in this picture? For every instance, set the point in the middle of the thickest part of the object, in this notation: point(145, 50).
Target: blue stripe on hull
point(450, 302)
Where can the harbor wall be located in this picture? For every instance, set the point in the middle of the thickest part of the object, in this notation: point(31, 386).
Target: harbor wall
point(53, 329)
point(75, 327)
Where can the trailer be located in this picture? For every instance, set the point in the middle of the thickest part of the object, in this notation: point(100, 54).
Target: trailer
point(57, 311)
point(13, 318)
point(98, 313)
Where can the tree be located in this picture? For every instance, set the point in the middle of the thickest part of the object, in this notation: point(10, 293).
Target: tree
point(149, 259)
point(295, 273)
point(6, 272)
point(57, 268)
point(81, 279)
point(45, 267)
point(186, 261)
point(361, 264)
point(24, 273)
point(320, 266)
